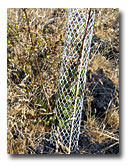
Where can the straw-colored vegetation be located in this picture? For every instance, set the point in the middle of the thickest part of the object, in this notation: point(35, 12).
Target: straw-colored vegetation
point(35, 40)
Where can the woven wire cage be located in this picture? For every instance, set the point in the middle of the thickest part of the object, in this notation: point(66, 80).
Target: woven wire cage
point(72, 78)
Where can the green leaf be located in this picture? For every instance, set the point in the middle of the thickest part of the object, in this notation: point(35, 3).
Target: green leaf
point(74, 89)
point(36, 122)
point(43, 105)
point(46, 122)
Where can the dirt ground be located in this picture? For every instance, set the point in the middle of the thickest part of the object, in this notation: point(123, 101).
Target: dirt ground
point(35, 40)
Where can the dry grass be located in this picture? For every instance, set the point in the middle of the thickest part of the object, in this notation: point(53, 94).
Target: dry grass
point(35, 43)
point(107, 29)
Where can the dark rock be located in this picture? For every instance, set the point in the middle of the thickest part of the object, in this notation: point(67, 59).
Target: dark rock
point(113, 150)
point(83, 141)
point(105, 147)
point(75, 152)
point(40, 148)
point(84, 144)
point(84, 116)
point(103, 92)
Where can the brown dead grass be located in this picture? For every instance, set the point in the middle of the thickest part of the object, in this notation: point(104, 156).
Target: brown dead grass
point(23, 120)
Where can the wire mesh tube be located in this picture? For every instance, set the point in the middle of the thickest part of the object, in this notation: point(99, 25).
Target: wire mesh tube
point(72, 79)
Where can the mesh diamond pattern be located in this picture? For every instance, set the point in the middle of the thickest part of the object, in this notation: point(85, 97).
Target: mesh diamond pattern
point(72, 79)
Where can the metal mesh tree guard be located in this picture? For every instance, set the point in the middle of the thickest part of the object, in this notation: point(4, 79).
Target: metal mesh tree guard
point(72, 79)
